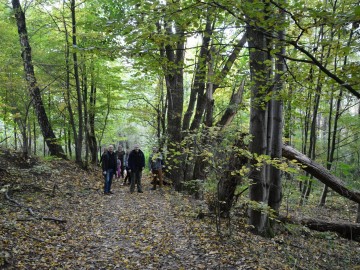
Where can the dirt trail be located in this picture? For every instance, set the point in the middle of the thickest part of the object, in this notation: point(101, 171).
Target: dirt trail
point(150, 230)
point(147, 231)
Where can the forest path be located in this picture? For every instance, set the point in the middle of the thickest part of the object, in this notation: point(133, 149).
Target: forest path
point(54, 215)
point(147, 230)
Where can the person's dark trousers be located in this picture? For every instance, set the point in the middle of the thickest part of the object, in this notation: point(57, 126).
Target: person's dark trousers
point(128, 176)
point(108, 180)
point(135, 178)
point(122, 170)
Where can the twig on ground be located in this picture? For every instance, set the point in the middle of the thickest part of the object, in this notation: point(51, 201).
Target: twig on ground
point(32, 212)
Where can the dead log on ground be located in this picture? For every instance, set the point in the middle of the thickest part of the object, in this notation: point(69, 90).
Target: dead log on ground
point(321, 173)
point(344, 229)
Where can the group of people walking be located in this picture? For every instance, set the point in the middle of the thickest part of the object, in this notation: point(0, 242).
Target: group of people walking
point(114, 164)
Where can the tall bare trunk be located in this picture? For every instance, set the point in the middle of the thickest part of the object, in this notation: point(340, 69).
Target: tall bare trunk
point(258, 121)
point(275, 193)
point(79, 142)
point(46, 129)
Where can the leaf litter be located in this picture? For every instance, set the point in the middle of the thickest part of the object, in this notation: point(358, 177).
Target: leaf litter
point(152, 230)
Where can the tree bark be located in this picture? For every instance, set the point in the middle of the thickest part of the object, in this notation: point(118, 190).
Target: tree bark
point(275, 189)
point(231, 110)
point(197, 91)
point(175, 99)
point(258, 120)
point(320, 173)
point(46, 129)
point(344, 229)
point(79, 141)
point(92, 106)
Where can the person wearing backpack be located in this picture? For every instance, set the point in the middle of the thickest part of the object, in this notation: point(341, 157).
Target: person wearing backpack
point(109, 165)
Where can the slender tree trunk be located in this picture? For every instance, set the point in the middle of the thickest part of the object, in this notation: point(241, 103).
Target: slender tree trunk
point(92, 106)
point(34, 133)
point(86, 116)
point(332, 139)
point(79, 142)
point(199, 80)
point(47, 131)
point(67, 95)
point(15, 137)
point(69, 141)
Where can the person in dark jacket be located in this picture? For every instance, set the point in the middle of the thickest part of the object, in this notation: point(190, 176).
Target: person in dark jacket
point(109, 164)
point(136, 164)
point(155, 166)
point(121, 155)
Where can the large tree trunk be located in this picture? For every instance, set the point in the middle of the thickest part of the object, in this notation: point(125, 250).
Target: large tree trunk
point(258, 122)
point(175, 99)
point(275, 192)
point(46, 129)
point(320, 173)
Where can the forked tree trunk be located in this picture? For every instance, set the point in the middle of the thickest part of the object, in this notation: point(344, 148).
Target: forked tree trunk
point(46, 129)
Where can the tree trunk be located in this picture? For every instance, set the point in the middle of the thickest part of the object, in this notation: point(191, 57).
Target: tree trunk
point(228, 183)
point(231, 110)
point(320, 173)
point(258, 121)
point(84, 86)
point(275, 192)
point(198, 87)
point(46, 129)
point(34, 133)
point(332, 145)
point(344, 229)
point(175, 99)
point(67, 95)
point(92, 106)
point(79, 141)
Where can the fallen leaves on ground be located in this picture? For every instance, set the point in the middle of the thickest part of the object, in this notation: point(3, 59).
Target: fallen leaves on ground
point(153, 230)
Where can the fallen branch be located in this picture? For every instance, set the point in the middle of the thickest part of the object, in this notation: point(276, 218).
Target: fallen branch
point(4, 139)
point(32, 212)
point(344, 229)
